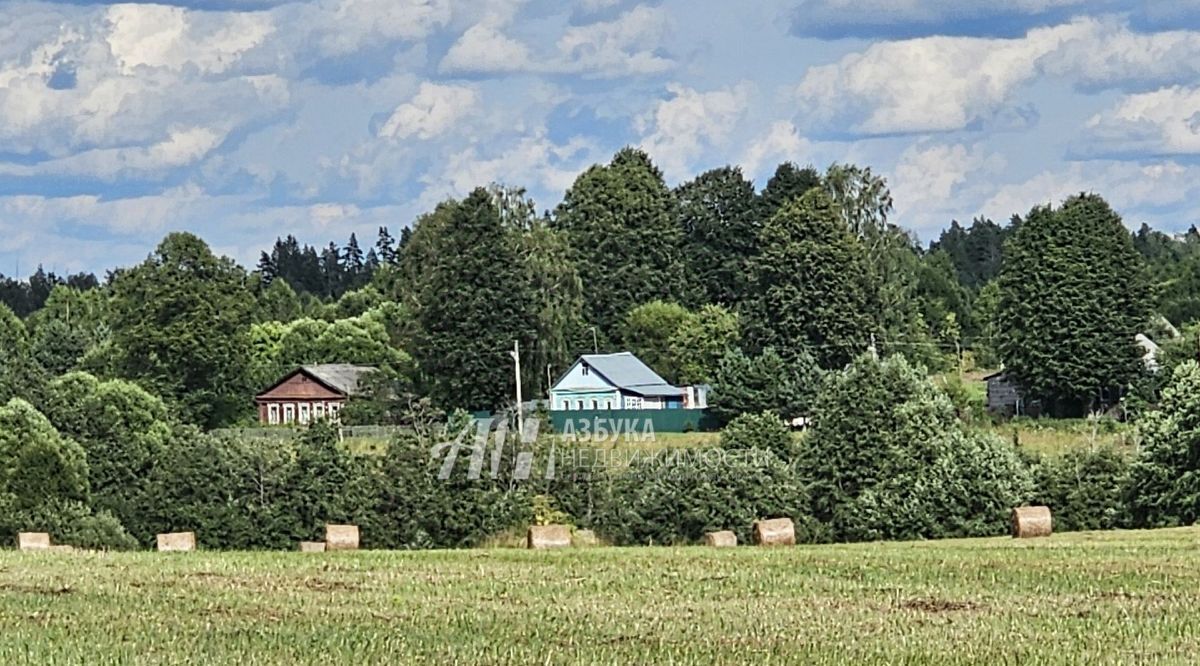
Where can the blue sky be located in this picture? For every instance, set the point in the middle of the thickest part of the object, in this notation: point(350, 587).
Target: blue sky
point(242, 120)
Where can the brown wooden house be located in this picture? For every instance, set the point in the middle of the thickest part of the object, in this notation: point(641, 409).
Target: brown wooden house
point(310, 393)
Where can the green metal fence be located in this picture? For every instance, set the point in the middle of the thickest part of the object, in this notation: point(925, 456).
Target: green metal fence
point(607, 422)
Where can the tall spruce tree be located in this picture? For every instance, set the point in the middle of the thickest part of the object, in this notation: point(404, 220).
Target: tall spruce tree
point(472, 306)
point(1073, 295)
point(788, 184)
point(809, 285)
point(717, 211)
point(622, 223)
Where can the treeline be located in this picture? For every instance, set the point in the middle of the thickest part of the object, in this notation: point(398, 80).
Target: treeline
point(755, 291)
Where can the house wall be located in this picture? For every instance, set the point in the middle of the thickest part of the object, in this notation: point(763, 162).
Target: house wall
point(564, 400)
point(1002, 395)
point(276, 412)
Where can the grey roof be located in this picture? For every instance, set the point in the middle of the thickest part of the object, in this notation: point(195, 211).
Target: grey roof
point(628, 373)
point(341, 376)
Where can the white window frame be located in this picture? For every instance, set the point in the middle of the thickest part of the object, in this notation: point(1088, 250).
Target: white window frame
point(634, 402)
point(335, 409)
point(273, 413)
point(289, 414)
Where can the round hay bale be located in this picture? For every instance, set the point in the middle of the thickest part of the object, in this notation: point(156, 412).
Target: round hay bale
point(1031, 521)
point(723, 539)
point(584, 539)
point(775, 532)
point(541, 537)
point(341, 537)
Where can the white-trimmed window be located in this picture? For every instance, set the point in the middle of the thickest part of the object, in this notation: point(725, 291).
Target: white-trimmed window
point(579, 405)
point(319, 411)
point(289, 414)
point(595, 405)
point(334, 409)
point(608, 404)
point(273, 414)
point(304, 413)
point(585, 370)
point(633, 402)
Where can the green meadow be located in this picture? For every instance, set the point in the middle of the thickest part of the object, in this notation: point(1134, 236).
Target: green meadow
point(1114, 597)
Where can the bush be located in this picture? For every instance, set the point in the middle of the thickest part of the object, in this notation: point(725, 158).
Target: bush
point(67, 522)
point(1085, 489)
point(1164, 487)
point(888, 459)
point(764, 430)
point(676, 498)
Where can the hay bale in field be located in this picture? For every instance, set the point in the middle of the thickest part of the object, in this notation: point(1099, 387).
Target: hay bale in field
point(541, 537)
point(341, 537)
point(584, 539)
point(1031, 521)
point(312, 546)
point(33, 541)
point(775, 532)
point(177, 542)
point(723, 539)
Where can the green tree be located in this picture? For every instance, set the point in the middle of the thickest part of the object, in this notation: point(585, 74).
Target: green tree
point(887, 458)
point(786, 185)
point(472, 308)
point(1164, 487)
point(808, 285)
point(648, 330)
point(720, 225)
point(1073, 295)
point(701, 341)
point(750, 385)
point(37, 464)
point(622, 223)
point(179, 327)
point(19, 376)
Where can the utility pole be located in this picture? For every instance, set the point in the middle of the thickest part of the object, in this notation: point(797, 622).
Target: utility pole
point(516, 356)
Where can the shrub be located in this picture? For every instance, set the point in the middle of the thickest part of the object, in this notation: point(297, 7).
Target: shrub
point(67, 522)
point(1164, 487)
point(764, 430)
point(1085, 489)
point(675, 499)
point(888, 459)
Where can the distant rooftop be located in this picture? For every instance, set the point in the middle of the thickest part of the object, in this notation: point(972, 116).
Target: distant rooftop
point(627, 372)
point(341, 376)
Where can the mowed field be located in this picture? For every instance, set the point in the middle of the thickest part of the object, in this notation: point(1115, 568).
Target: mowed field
point(1118, 598)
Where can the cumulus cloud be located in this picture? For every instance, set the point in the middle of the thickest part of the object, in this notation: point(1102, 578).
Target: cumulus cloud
point(934, 182)
point(182, 147)
point(1134, 190)
point(172, 37)
point(485, 49)
point(940, 84)
point(780, 143)
point(678, 129)
point(340, 27)
point(625, 46)
point(891, 18)
point(1163, 122)
point(434, 110)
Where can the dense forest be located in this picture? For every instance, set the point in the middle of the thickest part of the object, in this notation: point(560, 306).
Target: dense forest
point(802, 298)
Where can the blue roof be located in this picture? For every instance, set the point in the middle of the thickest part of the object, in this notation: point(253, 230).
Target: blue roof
point(627, 372)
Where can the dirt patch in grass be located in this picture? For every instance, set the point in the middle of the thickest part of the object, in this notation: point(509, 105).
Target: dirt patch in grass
point(932, 605)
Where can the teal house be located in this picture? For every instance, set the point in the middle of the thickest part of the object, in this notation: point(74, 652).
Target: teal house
point(619, 382)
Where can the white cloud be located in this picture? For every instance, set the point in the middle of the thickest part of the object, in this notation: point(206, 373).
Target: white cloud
point(933, 183)
point(940, 84)
point(1134, 190)
point(1164, 122)
point(182, 147)
point(484, 49)
point(341, 27)
point(172, 37)
point(926, 85)
point(678, 129)
point(434, 110)
point(625, 46)
point(780, 143)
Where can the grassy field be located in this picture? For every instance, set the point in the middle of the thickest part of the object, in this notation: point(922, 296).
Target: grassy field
point(1114, 598)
